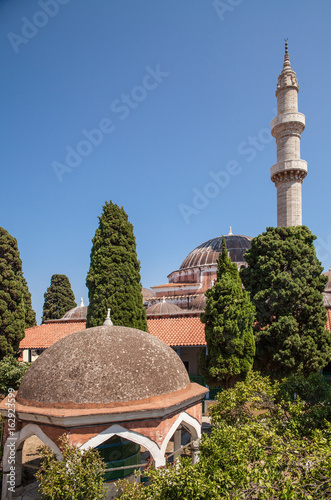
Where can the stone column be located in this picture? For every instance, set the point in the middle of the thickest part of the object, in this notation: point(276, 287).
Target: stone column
point(177, 444)
point(195, 452)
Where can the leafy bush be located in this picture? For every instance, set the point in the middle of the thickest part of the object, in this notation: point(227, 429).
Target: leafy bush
point(258, 449)
point(79, 476)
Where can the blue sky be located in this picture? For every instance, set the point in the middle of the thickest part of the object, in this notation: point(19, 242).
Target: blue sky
point(142, 103)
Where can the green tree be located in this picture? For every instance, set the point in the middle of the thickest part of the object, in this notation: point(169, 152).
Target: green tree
point(79, 476)
point(30, 315)
point(11, 373)
point(228, 318)
point(286, 285)
point(12, 311)
point(59, 298)
point(113, 279)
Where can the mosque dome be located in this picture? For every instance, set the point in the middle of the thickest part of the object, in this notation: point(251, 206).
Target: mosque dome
point(76, 313)
point(207, 253)
point(104, 366)
point(163, 307)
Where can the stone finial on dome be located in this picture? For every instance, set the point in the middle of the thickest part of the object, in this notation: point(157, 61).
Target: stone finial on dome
point(230, 232)
point(108, 321)
point(81, 302)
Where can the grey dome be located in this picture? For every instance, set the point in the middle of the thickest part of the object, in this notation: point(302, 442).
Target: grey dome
point(207, 253)
point(79, 312)
point(102, 366)
point(163, 307)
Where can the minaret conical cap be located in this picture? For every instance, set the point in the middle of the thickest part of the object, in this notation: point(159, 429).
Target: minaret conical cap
point(287, 63)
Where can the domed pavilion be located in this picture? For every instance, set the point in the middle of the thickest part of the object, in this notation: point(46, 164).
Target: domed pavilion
point(105, 382)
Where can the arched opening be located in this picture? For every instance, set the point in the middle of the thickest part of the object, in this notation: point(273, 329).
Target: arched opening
point(186, 422)
point(13, 451)
point(144, 441)
point(121, 454)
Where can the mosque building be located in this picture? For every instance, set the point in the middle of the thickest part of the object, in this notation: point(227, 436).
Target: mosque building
point(173, 309)
point(145, 396)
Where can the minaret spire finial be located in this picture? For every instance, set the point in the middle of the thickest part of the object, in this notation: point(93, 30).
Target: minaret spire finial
point(286, 56)
point(286, 45)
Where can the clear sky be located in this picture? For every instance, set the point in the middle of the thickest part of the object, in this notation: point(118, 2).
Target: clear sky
point(142, 103)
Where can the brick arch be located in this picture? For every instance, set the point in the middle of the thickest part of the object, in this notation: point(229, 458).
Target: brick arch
point(118, 430)
point(29, 430)
point(191, 423)
point(18, 439)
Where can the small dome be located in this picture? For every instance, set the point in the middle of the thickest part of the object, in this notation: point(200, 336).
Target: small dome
point(78, 312)
point(146, 293)
point(207, 253)
point(163, 307)
point(199, 302)
point(104, 366)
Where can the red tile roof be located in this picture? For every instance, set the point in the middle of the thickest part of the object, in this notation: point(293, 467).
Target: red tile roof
point(178, 330)
point(42, 336)
point(173, 330)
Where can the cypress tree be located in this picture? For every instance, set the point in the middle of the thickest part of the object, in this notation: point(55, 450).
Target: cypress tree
point(12, 315)
point(286, 285)
point(30, 315)
point(59, 298)
point(113, 279)
point(228, 318)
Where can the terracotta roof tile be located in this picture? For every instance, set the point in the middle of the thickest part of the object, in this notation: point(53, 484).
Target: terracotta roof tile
point(43, 336)
point(173, 331)
point(186, 330)
point(178, 330)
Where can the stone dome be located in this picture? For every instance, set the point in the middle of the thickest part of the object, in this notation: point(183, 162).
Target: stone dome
point(163, 307)
point(104, 366)
point(78, 312)
point(207, 253)
point(199, 302)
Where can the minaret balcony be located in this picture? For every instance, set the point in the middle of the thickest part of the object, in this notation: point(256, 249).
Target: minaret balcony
point(287, 166)
point(295, 120)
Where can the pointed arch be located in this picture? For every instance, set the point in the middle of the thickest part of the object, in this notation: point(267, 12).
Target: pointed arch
point(120, 431)
point(20, 436)
point(191, 423)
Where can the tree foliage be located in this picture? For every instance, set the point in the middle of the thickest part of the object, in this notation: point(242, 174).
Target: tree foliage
point(79, 476)
point(30, 315)
point(113, 279)
point(286, 285)
point(16, 312)
point(259, 448)
point(59, 298)
point(11, 373)
point(228, 318)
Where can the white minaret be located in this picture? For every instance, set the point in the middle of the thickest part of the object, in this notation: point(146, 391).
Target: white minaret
point(289, 171)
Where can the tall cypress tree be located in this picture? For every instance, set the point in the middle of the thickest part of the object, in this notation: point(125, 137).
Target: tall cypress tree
point(228, 318)
point(113, 279)
point(59, 298)
point(12, 314)
point(286, 285)
point(30, 315)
